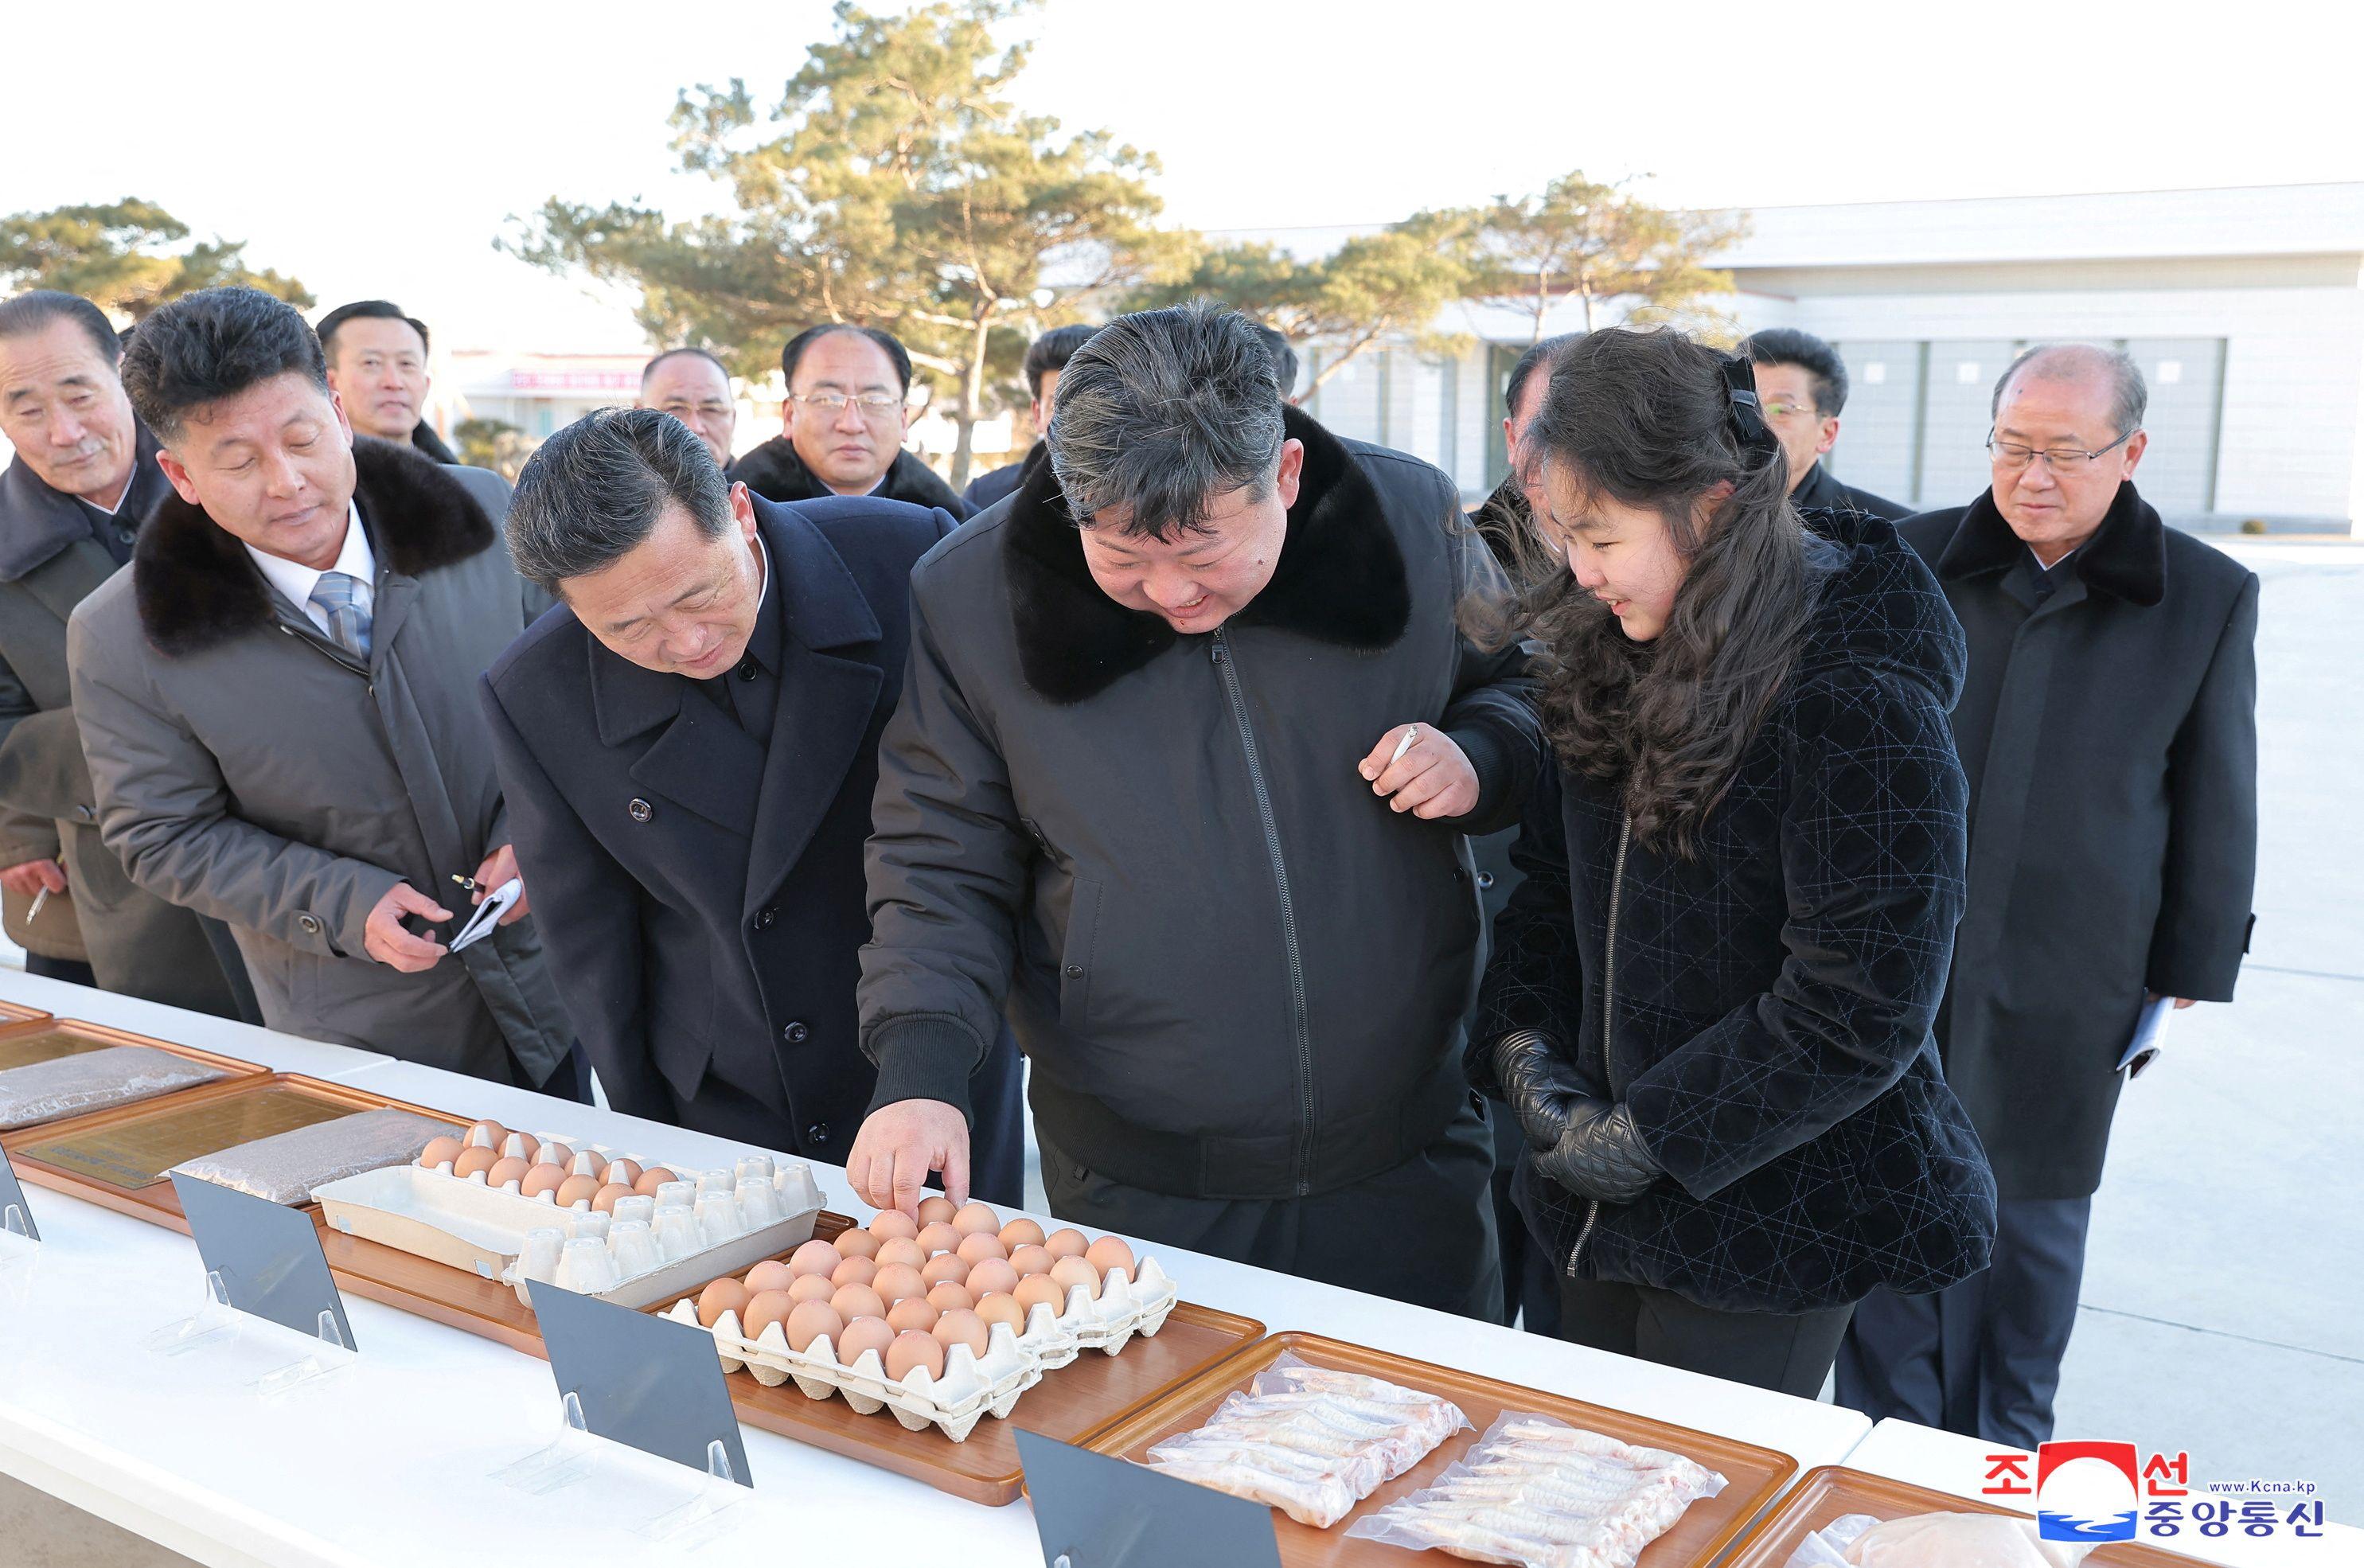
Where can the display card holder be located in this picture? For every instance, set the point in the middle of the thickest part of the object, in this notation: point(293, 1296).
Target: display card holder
point(1092, 1511)
point(268, 1289)
point(20, 1238)
point(643, 1381)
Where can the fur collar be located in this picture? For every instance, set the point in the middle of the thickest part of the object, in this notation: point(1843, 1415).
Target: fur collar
point(774, 472)
point(196, 586)
point(2127, 557)
point(1341, 577)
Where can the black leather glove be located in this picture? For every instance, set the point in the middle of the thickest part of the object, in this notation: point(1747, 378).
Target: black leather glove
point(1601, 1156)
point(1541, 1088)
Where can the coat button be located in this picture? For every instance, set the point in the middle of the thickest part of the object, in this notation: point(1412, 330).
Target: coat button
point(639, 810)
point(1075, 972)
point(817, 1133)
point(766, 916)
point(796, 1033)
point(749, 669)
point(308, 924)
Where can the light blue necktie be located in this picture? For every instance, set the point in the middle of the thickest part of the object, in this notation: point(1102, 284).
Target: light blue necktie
point(344, 599)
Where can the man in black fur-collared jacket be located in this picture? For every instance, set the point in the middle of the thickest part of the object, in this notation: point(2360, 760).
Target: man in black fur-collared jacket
point(1188, 744)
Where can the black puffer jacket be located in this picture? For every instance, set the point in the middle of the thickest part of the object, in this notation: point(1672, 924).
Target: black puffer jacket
point(1766, 1017)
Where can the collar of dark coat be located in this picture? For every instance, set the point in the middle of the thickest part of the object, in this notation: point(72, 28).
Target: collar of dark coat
point(1341, 577)
point(774, 472)
point(822, 603)
point(35, 522)
point(2127, 557)
point(196, 586)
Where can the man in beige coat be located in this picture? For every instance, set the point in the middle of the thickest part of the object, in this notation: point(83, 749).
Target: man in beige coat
point(277, 701)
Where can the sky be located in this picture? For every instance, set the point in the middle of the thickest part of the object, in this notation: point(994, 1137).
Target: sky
point(380, 151)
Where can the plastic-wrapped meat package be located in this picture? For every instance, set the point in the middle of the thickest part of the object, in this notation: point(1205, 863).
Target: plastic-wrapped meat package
point(1540, 1493)
point(1310, 1441)
point(93, 1080)
point(286, 1166)
point(1952, 1541)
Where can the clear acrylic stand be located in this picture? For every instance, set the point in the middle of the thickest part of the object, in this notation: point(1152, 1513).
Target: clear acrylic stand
point(218, 1325)
point(20, 1252)
point(577, 1455)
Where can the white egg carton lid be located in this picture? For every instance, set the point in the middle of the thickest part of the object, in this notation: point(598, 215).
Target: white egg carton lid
point(468, 1224)
point(970, 1388)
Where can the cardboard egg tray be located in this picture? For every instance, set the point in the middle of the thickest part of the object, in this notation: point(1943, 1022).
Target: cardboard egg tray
point(970, 1388)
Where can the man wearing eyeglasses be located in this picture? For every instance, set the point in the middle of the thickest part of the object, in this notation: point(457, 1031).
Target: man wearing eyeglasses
point(2108, 726)
point(1804, 385)
point(849, 408)
point(691, 386)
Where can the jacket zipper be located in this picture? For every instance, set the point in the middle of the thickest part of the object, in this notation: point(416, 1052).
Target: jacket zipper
point(1608, 1013)
point(1220, 653)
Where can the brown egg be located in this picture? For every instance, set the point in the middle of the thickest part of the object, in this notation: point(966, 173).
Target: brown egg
point(912, 1314)
point(991, 1277)
point(810, 1287)
point(901, 1250)
point(943, 1266)
point(898, 1281)
point(724, 1294)
point(961, 1327)
point(935, 1209)
point(1066, 1244)
point(556, 1153)
point(517, 1145)
point(938, 1238)
point(812, 1320)
point(973, 1217)
point(853, 1301)
point(770, 1274)
point(589, 1163)
point(474, 1159)
point(1020, 1233)
point(853, 1271)
point(604, 1200)
point(577, 1189)
point(894, 1225)
point(1036, 1290)
point(813, 1257)
point(979, 1245)
point(1069, 1273)
point(1032, 1261)
point(950, 1296)
point(486, 1134)
point(855, 1242)
point(863, 1334)
point(1110, 1254)
point(1001, 1308)
point(543, 1179)
point(914, 1351)
point(650, 1180)
point(766, 1307)
point(504, 1172)
point(623, 1172)
point(441, 1151)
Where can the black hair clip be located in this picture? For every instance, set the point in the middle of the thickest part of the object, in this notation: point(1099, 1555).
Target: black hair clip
point(1758, 441)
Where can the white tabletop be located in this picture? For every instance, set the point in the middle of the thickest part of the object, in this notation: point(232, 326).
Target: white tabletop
point(280, 1052)
point(1947, 1462)
point(389, 1461)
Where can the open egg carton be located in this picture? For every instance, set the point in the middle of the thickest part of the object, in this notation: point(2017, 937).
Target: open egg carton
point(837, 1318)
point(519, 1208)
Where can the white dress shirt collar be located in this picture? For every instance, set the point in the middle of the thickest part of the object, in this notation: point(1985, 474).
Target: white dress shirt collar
point(295, 581)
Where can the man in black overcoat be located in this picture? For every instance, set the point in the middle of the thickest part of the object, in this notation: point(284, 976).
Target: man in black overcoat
point(1803, 384)
point(688, 748)
point(2109, 731)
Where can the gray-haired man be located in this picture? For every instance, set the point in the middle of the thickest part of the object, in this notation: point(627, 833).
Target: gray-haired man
point(1186, 750)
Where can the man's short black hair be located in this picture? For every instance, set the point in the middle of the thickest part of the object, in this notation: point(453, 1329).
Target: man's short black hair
point(651, 368)
point(794, 352)
point(593, 492)
point(35, 310)
point(1284, 359)
point(1531, 361)
point(1825, 369)
point(1052, 351)
point(213, 344)
point(378, 309)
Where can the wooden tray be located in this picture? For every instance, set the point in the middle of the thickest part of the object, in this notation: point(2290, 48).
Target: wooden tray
point(102, 1155)
point(1833, 1491)
point(1752, 1475)
point(11, 1012)
point(44, 1038)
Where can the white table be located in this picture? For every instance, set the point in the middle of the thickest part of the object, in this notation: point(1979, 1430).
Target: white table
point(389, 1461)
point(1947, 1462)
point(280, 1052)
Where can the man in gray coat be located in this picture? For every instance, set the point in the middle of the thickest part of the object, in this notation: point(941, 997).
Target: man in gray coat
point(70, 503)
point(278, 701)
point(1189, 743)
